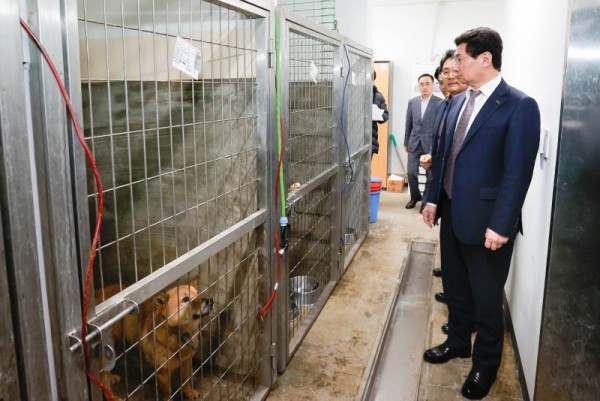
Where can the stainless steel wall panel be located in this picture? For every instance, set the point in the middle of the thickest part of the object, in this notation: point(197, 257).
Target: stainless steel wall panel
point(569, 353)
point(20, 202)
point(9, 372)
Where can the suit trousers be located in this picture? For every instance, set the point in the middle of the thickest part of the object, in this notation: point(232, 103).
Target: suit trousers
point(473, 279)
point(413, 173)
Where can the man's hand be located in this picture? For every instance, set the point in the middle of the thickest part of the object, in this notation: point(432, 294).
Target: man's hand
point(493, 240)
point(429, 215)
point(425, 161)
point(406, 148)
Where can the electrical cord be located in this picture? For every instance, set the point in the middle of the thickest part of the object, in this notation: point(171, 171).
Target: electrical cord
point(343, 126)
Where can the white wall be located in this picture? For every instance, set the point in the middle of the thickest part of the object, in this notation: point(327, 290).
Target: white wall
point(534, 59)
point(415, 31)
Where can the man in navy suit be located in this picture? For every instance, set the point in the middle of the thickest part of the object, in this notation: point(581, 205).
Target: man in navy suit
point(418, 133)
point(481, 174)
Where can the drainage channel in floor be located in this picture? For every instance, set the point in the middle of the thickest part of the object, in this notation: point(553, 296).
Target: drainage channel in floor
point(396, 370)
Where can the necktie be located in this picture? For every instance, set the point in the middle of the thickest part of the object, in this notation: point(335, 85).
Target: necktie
point(459, 137)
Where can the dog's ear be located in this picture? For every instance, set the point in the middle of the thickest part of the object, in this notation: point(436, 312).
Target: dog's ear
point(160, 300)
point(194, 283)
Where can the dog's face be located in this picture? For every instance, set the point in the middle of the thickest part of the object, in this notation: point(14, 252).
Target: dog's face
point(182, 305)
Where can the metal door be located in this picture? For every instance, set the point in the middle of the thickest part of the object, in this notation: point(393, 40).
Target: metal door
point(310, 83)
point(183, 162)
point(356, 148)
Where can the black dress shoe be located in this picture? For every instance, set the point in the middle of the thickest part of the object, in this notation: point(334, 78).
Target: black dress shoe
point(411, 204)
point(440, 297)
point(443, 353)
point(477, 385)
point(437, 272)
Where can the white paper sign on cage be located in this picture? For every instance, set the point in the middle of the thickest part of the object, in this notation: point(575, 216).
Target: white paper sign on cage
point(186, 58)
point(314, 72)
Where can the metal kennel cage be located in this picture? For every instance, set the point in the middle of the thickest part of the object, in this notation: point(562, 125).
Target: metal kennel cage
point(356, 148)
point(184, 167)
point(319, 11)
point(188, 173)
point(311, 98)
point(182, 158)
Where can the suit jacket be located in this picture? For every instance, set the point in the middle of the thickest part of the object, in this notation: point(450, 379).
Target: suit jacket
point(439, 115)
point(494, 166)
point(420, 130)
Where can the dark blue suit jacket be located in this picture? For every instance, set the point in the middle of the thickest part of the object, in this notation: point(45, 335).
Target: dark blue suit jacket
point(436, 126)
point(494, 167)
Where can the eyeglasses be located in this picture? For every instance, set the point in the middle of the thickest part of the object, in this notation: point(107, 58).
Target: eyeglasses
point(447, 73)
point(460, 58)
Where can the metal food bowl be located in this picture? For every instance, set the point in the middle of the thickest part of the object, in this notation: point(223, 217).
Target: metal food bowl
point(350, 236)
point(305, 290)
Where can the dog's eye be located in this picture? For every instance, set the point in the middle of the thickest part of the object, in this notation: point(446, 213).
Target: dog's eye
point(185, 299)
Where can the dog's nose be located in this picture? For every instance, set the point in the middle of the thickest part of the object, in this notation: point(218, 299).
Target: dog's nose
point(196, 316)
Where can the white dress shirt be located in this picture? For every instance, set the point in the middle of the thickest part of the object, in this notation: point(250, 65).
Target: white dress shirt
point(486, 91)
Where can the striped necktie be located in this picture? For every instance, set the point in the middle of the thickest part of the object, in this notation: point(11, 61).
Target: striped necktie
point(457, 141)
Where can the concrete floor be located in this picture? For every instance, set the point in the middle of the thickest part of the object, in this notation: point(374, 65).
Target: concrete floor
point(333, 361)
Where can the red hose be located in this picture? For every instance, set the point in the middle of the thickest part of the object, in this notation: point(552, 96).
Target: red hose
point(265, 309)
point(92, 163)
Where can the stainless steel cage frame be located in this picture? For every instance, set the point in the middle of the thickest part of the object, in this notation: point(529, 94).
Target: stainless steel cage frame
point(314, 100)
point(185, 166)
point(357, 150)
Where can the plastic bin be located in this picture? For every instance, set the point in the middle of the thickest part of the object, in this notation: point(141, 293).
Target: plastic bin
point(374, 206)
point(374, 198)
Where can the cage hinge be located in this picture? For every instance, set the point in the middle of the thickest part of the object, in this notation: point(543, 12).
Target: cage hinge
point(271, 54)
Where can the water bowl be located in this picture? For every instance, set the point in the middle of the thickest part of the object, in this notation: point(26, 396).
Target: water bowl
point(305, 290)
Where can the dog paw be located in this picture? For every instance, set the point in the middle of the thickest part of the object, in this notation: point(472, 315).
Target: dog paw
point(191, 394)
point(114, 379)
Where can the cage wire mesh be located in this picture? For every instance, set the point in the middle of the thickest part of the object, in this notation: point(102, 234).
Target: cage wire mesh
point(358, 101)
point(178, 162)
point(357, 132)
point(310, 252)
point(319, 11)
point(309, 139)
point(356, 206)
point(309, 153)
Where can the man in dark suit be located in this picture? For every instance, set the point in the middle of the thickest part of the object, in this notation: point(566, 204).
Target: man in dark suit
point(418, 133)
point(481, 174)
point(449, 79)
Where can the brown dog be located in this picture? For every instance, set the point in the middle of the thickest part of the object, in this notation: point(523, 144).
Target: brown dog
point(167, 329)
